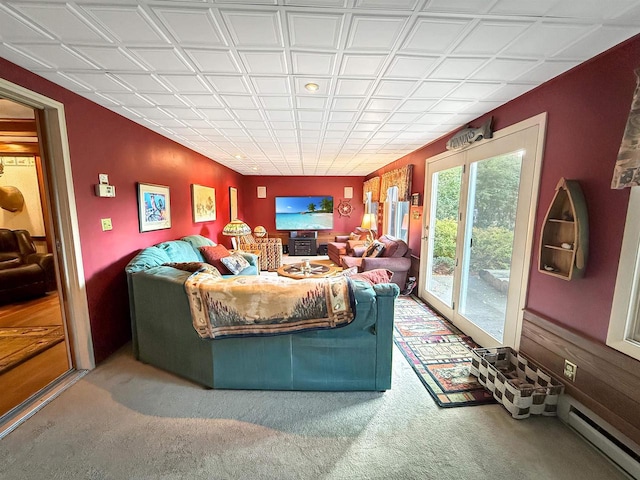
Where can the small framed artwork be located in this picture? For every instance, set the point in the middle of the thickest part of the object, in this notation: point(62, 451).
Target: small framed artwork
point(262, 192)
point(203, 203)
point(154, 207)
point(348, 192)
point(415, 200)
point(233, 203)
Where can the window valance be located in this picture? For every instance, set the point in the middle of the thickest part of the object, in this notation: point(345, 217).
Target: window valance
point(372, 185)
point(400, 178)
point(627, 170)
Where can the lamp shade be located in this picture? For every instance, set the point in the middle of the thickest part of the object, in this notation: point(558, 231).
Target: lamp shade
point(236, 228)
point(259, 231)
point(369, 222)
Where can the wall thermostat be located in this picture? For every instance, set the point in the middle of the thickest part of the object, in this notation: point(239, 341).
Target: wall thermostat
point(105, 190)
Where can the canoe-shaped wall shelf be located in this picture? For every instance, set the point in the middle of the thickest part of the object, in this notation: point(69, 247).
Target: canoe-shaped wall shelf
point(564, 242)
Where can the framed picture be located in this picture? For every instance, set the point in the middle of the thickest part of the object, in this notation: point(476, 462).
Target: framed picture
point(203, 203)
point(415, 200)
point(262, 192)
point(154, 207)
point(233, 203)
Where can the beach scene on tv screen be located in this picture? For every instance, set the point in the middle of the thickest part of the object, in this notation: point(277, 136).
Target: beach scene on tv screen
point(304, 213)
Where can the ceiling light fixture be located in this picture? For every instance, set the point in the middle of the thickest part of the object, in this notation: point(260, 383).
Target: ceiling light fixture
point(238, 157)
point(312, 87)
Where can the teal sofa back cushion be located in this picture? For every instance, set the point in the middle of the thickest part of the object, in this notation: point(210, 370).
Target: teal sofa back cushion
point(179, 251)
point(146, 259)
point(197, 241)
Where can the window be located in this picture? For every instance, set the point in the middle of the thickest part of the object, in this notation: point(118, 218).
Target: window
point(396, 216)
point(624, 324)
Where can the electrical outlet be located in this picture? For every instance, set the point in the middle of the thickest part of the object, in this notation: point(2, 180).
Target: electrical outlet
point(106, 224)
point(570, 370)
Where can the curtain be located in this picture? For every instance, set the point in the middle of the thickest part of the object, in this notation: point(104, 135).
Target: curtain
point(372, 185)
point(400, 178)
point(627, 170)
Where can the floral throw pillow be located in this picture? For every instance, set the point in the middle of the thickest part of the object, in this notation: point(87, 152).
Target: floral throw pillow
point(374, 250)
point(235, 263)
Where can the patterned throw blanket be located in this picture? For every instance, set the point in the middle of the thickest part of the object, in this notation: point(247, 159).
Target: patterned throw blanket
point(253, 305)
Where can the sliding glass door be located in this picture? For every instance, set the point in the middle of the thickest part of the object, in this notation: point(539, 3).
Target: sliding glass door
point(479, 213)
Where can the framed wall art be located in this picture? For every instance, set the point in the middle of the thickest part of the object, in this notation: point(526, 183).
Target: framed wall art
point(203, 203)
point(154, 207)
point(233, 203)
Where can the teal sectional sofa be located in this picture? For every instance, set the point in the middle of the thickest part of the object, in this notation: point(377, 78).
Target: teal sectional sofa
point(354, 357)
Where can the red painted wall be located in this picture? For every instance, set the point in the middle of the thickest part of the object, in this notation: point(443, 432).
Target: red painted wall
point(101, 141)
point(262, 211)
point(587, 111)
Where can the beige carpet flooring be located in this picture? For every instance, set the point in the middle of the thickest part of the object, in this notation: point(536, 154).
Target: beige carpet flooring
point(128, 420)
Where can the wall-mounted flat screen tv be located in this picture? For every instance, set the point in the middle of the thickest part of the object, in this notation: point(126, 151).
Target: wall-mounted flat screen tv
point(304, 213)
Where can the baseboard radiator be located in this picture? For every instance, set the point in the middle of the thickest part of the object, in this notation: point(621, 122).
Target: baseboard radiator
point(619, 449)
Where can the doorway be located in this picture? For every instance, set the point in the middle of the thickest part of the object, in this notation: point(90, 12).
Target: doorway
point(69, 299)
point(478, 223)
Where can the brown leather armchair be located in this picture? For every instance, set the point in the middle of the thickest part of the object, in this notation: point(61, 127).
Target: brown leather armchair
point(395, 256)
point(24, 273)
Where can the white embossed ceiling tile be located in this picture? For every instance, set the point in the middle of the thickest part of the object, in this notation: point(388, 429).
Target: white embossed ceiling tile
point(509, 7)
point(434, 35)
point(457, 6)
point(279, 115)
point(510, 91)
point(409, 66)
point(55, 55)
point(347, 103)
point(350, 87)
point(192, 27)
point(110, 58)
point(213, 61)
point(590, 10)
point(474, 91)
point(131, 26)
point(228, 83)
point(597, 42)
point(545, 39)
point(376, 117)
point(264, 62)
point(239, 102)
point(504, 69)
point(252, 114)
point(202, 100)
point(316, 30)
point(482, 107)
point(310, 115)
point(185, 83)
point(547, 70)
point(342, 116)
point(14, 27)
point(99, 82)
point(152, 113)
point(416, 105)
point(360, 65)
point(276, 102)
point(457, 68)
point(61, 21)
point(404, 118)
point(392, 4)
point(318, 103)
point(162, 59)
point(278, 126)
point(375, 33)
point(164, 99)
point(451, 106)
point(254, 29)
point(182, 113)
point(489, 38)
point(24, 60)
point(271, 85)
point(383, 104)
point(216, 114)
point(308, 63)
point(395, 88)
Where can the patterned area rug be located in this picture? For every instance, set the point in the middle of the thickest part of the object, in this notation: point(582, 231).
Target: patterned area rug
point(19, 344)
point(439, 353)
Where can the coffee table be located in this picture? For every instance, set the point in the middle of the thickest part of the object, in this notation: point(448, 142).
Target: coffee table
point(314, 270)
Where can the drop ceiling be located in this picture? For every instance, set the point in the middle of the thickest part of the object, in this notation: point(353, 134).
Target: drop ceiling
point(226, 78)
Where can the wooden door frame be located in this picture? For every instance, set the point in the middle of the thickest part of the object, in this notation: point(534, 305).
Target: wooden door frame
point(54, 145)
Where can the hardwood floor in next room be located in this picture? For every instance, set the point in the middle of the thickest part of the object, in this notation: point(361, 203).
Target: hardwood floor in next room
point(20, 382)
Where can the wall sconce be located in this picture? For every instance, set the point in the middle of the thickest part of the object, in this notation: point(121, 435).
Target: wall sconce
point(262, 192)
point(348, 192)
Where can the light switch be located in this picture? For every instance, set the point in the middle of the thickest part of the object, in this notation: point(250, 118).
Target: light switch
point(106, 224)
